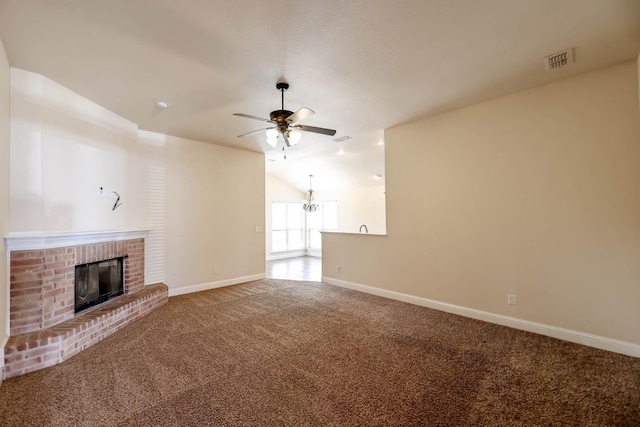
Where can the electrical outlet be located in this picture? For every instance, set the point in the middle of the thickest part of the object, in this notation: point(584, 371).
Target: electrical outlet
point(337, 269)
point(511, 299)
point(216, 270)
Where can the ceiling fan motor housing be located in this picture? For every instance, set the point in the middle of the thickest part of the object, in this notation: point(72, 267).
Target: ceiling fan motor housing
point(280, 117)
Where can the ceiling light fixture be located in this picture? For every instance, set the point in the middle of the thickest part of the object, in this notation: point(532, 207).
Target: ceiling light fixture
point(341, 152)
point(310, 205)
point(161, 104)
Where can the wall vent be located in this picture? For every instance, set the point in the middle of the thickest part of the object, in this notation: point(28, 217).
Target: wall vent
point(558, 60)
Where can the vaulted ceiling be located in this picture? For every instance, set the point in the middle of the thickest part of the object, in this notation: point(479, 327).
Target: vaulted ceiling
point(361, 65)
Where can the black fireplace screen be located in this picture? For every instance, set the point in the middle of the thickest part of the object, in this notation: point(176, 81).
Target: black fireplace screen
point(97, 282)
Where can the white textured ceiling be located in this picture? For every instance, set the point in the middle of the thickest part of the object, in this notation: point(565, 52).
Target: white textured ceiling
point(362, 65)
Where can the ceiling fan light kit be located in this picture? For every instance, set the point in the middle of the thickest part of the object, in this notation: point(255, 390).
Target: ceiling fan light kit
point(294, 137)
point(285, 122)
point(272, 136)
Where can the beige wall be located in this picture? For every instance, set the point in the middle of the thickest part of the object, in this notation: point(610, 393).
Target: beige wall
point(278, 191)
point(534, 193)
point(214, 200)
point(357, 206)
point(5, 117)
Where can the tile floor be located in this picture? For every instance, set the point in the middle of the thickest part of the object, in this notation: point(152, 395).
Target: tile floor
point(299, 268)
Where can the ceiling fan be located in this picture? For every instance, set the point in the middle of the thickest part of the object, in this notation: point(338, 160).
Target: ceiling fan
point(286, 123)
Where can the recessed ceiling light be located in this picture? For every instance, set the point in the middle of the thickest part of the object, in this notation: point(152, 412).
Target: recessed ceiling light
point(161, 104)
point(341, 152)
point(377, 176)
point(380, 142)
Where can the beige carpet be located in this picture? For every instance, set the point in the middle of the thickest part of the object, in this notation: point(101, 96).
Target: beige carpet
point(284, 353)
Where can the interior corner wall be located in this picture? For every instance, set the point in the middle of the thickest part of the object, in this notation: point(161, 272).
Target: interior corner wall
point(63, 148)
point(211, 199)
point(202, 202)
point(5, 119)
point(278, 191)
point(358, 206)
point(533, 194)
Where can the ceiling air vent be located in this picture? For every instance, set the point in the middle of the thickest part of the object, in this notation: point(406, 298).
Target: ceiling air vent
point(559, 60)
point(342, 138)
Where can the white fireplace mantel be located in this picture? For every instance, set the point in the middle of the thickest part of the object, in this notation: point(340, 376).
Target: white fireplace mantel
point(35, 241)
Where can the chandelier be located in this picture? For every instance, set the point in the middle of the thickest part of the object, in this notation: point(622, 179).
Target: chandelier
point(310, 205)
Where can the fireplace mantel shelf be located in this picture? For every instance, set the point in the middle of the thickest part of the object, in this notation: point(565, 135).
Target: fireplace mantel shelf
point(35, 241)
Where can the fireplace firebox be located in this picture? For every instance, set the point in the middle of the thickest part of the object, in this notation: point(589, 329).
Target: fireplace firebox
point(98, 282)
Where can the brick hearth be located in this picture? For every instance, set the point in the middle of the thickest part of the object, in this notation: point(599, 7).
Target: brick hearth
point(37, 350)
point(44, 330)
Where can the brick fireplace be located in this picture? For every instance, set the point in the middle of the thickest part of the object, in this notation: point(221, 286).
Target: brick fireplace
point(43, 328)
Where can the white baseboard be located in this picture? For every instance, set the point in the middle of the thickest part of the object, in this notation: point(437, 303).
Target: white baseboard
point(314, 253)
point(603, 343)
point(294, 254)
point(285, 255)
point(212, 285)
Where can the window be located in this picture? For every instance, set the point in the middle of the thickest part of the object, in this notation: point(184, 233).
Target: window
point(324, 219)
point(287, 226)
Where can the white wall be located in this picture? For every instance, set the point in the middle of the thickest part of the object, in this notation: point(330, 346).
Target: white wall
point(534, 194)
point(5, 117)
point(278, 191)
point(63, 147)
point(203, 202)
point(358, 206)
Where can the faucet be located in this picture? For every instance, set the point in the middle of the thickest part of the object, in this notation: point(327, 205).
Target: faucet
point(365, 228)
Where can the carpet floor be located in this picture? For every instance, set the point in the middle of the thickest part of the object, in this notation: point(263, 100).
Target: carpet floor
point(286, 353)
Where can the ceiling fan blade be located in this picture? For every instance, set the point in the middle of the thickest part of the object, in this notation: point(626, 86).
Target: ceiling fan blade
point(286, 139)
point(252, 132)
point(300, 115)
point(314, 129)
point(252, 117)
